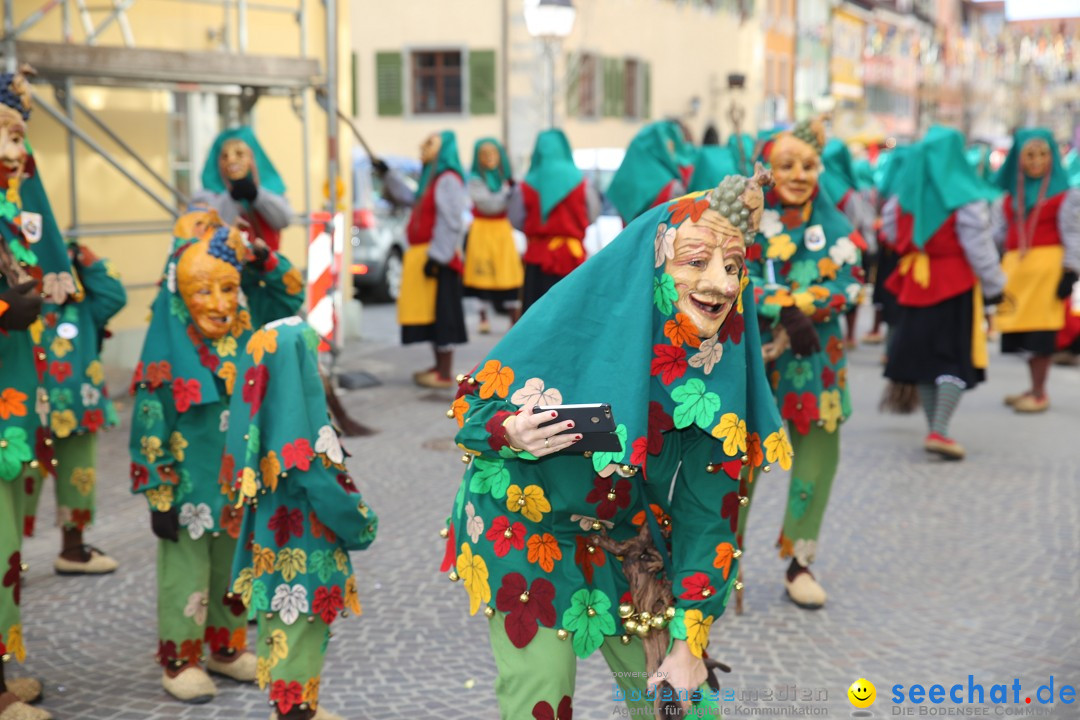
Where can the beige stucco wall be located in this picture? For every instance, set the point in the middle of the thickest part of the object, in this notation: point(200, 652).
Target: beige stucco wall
point(141, 118)
point(687, 46)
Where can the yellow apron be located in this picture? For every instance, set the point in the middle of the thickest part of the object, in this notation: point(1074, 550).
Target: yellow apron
point(1031, 302)
point(491, 259)
point(980, 356)
point(416, 301)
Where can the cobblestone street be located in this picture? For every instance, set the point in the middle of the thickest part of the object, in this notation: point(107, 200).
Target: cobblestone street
point(935, 571)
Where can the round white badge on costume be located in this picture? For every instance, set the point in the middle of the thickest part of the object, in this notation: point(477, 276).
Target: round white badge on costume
point(30, 224)
point(68, 331)
point(814, 238)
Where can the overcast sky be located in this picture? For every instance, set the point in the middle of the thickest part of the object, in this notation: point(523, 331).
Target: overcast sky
point(1027, 9)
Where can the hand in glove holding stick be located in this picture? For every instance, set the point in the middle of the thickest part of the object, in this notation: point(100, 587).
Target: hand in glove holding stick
point(20, 306)
point(244, 189)
point(1065, 287)
point(800, 329)
point(166, 524)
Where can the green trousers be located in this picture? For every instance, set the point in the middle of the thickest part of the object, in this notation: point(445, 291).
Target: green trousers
point(12, 497)
point(813, 469)
point(76, 483)
point(194, 599)
point(291, 659)
point(544, 673)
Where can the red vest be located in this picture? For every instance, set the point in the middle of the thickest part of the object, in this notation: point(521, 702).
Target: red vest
point(567, 219)
point(950, 273)
point(269, 234)
point(1046, 227)
point(422, 220)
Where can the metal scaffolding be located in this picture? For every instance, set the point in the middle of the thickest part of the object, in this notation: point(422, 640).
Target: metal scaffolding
point(230, 73)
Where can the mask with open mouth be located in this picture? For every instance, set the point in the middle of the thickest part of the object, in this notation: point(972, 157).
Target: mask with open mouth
point(209, 287)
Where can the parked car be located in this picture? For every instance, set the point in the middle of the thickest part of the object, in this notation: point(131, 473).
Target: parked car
point(378, 229)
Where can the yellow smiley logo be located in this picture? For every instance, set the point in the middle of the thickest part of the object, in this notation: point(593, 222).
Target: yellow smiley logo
point(862, 693)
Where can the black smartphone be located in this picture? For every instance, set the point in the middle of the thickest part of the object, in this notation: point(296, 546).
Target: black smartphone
point(592, 421)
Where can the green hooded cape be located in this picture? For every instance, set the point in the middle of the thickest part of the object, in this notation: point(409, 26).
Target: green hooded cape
point(494, 178)
point(552, 172)
point(839, 175)
point(649, 165)
point(447, 159)
point(744, 162)
point(712, 165)
point(1009, 172)
point(268, 174)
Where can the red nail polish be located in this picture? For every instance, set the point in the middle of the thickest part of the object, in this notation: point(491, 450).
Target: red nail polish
point(570, 425)
point(554, 414)
point(577, 437)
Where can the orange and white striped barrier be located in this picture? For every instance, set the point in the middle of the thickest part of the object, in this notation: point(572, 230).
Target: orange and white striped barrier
point(326, 247)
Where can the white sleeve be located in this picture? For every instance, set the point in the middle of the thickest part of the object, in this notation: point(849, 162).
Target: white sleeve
point(1069, 228)
point(973, 231)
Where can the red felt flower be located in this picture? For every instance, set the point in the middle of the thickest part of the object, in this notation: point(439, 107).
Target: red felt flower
point(800, 410)
point(139, 476)
point(136, 378)
point(190, 651)
point(608, 496)
point(81, 518)
point(834, 349)
point(286, 523)
point(525, 605)
point(506, 535)
point(12, 578)
point(497, 430)
point(28, 531)
point(659, 423)
point(828, 377)
point(729, 508)
point(838, 301)
point(208, 359)
point(186, 393)
point(235, 603)
point(158, 374)
point(92, 420)
point(328, 603)
point(697, 587)
point(286, 695)
point(60, 370)
point(669, 363)
point(41, 364)
point(347, 483)
point(255, 380)
point(639, 450)
point(450, 556)
point(542, 710)
point(166, 652)
point(732, 328)
point(588, 557)
point(231, 518)
point(43, 447)
point(298, 454)
point(753, 252)
point(318, 530)
point(217, 638)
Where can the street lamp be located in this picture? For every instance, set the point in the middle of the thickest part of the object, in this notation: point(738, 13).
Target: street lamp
point(550, 21)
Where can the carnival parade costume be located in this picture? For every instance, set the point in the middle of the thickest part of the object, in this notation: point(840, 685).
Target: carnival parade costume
point(553, 205)
point(240, 183)
point(806, 274)
point(526, 536)
point(80, 406)
point(34, 268)
point(302, 516)
point(430, 303)
point(493, 272)
point(947, 266)
point(1038, 226)
point(654, 170)
point(187, 372)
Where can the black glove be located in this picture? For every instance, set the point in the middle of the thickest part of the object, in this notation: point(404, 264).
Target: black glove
point(511, 182)
point(261, 253)
point(431, 268)
point(244, 189)
point(23, 306)
point(379, 166)
point(1065, 287)
point(166, 525)
point(993, 299)
point(800, 330)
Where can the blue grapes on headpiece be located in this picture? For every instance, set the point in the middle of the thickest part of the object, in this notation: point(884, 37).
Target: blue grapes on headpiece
point(219, 248)
point(12, 99)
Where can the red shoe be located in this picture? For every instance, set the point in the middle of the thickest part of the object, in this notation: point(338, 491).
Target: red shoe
point(943, 446)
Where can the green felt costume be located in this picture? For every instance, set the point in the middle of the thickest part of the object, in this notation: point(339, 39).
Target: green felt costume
point(1009, 172)
point(304, 514)
point(864, 175)
point(29, 230)
point(808, 261)
point(649, 166)
point(1071, 163)
point(78, 398)
point(494, 178)
point(182, 387)
point(552, 172)
point(267, 173)
point(839, 176)
point(713, 164)
point(446, 161)
point(690, 415)
point(744, 161)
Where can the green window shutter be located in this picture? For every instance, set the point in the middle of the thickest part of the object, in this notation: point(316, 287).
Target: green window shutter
point(646, 99)
point(354, 81)
point(573, 84)
point(609, 87)
point(482, 82)
point(389, 83)
point(619, 66)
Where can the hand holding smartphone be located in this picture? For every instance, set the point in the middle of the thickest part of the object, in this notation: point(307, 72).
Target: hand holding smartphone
point(593, 422)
